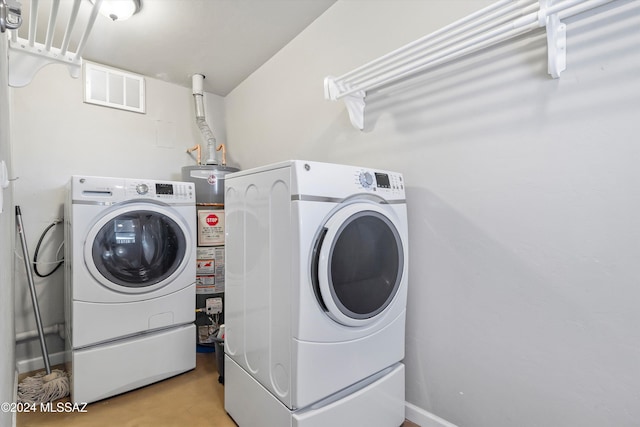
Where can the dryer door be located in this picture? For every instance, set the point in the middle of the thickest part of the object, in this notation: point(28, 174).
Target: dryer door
point(137, 248)
point(358, 263)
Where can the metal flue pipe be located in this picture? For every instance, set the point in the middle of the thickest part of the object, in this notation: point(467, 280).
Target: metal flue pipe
point(205, 130)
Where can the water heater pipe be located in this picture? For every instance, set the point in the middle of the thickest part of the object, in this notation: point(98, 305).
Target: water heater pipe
point(205, 130)
point(224, 154)
point(198, 150)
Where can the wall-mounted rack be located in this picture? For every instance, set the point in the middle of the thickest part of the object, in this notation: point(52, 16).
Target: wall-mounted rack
point(494, 24)
point(27, 56)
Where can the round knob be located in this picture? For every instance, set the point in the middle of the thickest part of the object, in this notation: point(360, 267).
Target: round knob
point(142, 188)
point(366, 179)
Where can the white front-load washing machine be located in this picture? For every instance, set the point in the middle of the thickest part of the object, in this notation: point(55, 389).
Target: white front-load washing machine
point(130, 264)
point(316, 258)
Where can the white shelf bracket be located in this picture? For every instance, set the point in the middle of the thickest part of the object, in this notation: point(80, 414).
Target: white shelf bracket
point(353, 100)
point(556, 39)
point(25, 61)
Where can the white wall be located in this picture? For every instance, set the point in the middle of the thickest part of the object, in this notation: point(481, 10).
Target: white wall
point(7, 333)
point(523, 203)
point(56, 135)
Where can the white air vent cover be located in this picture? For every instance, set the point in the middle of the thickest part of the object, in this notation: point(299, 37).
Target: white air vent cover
point(115, 88)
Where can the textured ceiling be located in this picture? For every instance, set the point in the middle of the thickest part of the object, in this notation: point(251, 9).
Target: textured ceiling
point(225, 40)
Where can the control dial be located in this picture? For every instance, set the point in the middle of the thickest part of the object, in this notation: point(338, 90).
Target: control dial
point(366, 179)
point(142, 189)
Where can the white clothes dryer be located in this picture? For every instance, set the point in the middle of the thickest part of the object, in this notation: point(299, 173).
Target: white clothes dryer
point(316, 258)
point(130, 264)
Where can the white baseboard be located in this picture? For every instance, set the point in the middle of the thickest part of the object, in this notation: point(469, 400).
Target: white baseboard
point(424, 418)
point(37, 364)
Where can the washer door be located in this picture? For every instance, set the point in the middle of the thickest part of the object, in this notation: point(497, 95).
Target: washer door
point(137, 248)
point(358, 263)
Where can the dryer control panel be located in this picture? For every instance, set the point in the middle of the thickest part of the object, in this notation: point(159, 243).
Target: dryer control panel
point(380, 181)
point(334, 181)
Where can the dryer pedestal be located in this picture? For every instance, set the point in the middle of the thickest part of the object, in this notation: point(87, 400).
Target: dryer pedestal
point(377, 401)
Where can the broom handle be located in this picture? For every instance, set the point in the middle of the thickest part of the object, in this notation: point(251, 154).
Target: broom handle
point(32, 289)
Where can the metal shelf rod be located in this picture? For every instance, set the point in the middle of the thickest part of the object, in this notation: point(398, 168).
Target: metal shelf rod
point(494, 24)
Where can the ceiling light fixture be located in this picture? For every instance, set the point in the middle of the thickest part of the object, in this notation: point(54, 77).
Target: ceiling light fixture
point(119, 10)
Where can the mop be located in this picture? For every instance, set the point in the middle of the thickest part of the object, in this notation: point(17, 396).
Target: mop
point(44, 386)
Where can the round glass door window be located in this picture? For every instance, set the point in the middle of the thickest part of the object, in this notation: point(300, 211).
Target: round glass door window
point(358, 265)
point(365, 266)
point(138, 249)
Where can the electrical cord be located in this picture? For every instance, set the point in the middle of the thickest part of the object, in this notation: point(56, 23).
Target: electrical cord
point(35, 254)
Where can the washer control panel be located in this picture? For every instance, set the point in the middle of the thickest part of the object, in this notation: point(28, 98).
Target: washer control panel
point(114, 190)
point(165, 191)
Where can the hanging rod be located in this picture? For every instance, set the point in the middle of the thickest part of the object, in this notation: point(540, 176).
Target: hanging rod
point(28, 56)
point(494, 24)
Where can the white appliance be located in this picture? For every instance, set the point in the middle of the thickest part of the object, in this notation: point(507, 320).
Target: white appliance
point(316, 258)
point(129, 283)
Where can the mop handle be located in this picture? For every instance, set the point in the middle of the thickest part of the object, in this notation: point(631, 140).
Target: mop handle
point(32, 289)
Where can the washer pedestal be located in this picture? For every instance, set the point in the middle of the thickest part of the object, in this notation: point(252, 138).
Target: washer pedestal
point(108, 369)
